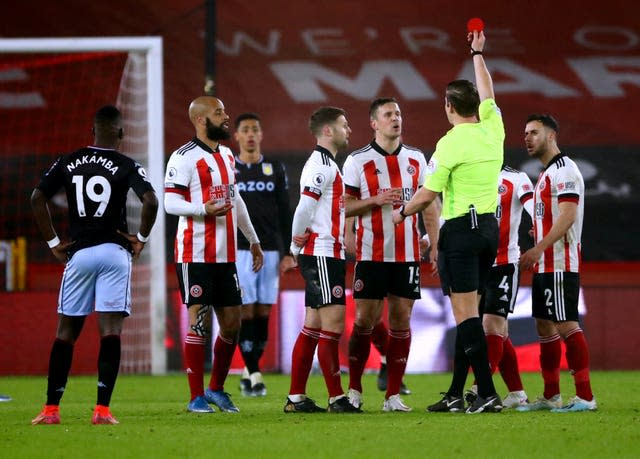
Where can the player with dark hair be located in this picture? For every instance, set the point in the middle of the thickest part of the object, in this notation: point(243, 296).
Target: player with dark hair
point(200, 188)
point(378, 178)
point(555, 258)
point(98, 258)
point(263, 185)
point(465, 167)
point(318, 244)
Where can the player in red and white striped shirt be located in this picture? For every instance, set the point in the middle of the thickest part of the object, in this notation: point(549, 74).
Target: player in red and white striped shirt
point(515, 193)
point(378, 179)
point(558, 214)
point(200, 188)
point(318, 236)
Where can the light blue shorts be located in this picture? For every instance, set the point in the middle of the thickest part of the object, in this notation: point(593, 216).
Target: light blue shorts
point(100, 274)
point(261, 287)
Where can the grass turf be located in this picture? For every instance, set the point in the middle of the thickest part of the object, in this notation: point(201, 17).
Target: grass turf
point(154, 423)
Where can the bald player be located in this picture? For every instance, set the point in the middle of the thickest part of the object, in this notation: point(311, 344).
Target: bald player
point(465, 167)
point(200, 189)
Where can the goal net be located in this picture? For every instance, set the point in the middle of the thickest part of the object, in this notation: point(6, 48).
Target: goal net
point(49, 91)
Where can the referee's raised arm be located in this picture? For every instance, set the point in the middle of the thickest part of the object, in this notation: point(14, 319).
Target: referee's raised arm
point(483, 78)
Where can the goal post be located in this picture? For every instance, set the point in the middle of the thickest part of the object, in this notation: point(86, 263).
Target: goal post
point(140, 98)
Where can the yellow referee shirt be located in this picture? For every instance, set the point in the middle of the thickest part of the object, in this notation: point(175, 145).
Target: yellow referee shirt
point(466, 164)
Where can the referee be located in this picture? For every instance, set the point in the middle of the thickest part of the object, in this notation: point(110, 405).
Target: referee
point(465, 168)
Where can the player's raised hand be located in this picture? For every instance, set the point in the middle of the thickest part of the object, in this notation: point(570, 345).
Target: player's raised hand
point(391, 196)
point(213, 208)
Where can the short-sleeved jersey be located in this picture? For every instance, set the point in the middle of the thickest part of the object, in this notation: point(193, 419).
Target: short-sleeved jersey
point(560, 181)
point(96, 182)
point(467, 162)
point(514, 191)
point(321, 180)
point(200, 174)
point(265, 190)
point(370, 171)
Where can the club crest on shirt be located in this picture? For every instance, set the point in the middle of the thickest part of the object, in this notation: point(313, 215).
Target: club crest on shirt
point(541, 185)
point(411, 170)
point(195, 291)
point(337, 291)
point(502, 189)
point(267, 168)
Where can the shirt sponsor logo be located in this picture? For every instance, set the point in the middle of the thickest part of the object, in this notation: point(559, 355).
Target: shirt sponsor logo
point(255, 185)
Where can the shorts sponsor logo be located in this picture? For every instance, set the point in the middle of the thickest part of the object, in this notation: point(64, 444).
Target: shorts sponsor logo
point(358, 285)
point(337, 291)
point(195, 291)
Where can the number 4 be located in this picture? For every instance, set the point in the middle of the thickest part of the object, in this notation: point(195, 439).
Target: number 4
point(102, 197)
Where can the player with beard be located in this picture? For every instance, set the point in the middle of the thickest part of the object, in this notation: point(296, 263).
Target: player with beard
point(200, 189)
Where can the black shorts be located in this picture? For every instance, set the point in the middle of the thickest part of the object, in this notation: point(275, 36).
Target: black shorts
point(501, 291)
point(554, 296)
point(209, 283)
point(324, 280)
point(374, 280)
point(465, 255)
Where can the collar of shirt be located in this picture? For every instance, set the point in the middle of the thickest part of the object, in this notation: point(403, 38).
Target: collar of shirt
point(382, 151)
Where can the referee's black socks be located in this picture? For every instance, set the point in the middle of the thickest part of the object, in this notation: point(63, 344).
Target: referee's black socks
point(473, 341)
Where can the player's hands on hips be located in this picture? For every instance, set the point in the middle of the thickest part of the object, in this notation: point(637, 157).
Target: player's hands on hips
point(60, 251)
point(213, 208)
point(136, 244)
point(391, 196)
point(476, 40)
point(529, 259)
point(258, 257)
point(287, 263)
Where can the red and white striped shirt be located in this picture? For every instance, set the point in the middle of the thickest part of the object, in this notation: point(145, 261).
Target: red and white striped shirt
point(200, 174)
point(515, 191)
point(561, 181)
point(321, 206)
point(370, 171)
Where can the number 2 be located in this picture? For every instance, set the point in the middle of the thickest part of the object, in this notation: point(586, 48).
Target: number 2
point(101, 197)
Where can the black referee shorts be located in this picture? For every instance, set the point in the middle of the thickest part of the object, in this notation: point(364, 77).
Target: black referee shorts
point(465, 255)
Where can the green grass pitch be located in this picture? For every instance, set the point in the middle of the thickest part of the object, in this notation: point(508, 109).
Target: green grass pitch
point(154, 423)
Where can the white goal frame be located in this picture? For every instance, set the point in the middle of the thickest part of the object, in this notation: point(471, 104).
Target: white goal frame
point(152, 47)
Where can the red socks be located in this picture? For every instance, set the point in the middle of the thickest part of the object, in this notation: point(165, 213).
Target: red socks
point(329, 361)
point(577, 354)
point(223, 351)
point(550, 353)
point(397, 354)
point(509, 367)
point(194, 362)
point(359, 348)
point(302, 359)
point(380, 338)
point(494, 351)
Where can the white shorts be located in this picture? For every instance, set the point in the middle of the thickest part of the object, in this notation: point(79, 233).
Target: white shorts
point(100, 274)
point(261, 287)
